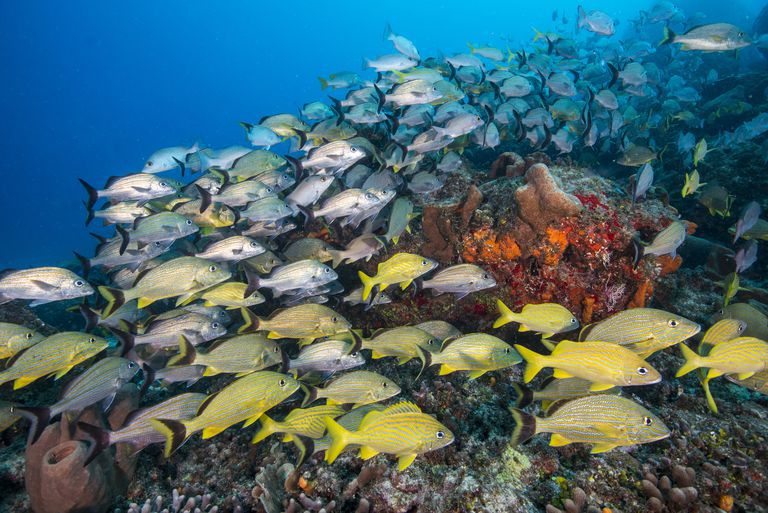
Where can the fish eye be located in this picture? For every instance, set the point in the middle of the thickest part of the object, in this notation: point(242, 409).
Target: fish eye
point(440, 435)
point(131, 365)
point(506, 350)
point(157, 244)
point(163, 184)
point(424, 263)
point(354, 149)
point(384, 384)
point(212, 268)
point(327, 270)
point(276, 349)
point(269, 190)
point(215, 325)
point(323, 179)
point(672, 323)
point(79, 283)
point(282, 383)
point(642, 371)
point(334, 319)
point(189, 222)
point(485, 276)
point(574, 320)
point(353, 355)
point(254, 244)
point(28, 335)
point(647, 421)
point(92, 340)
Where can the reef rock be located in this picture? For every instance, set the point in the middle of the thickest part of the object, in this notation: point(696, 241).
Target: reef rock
point(541, 201)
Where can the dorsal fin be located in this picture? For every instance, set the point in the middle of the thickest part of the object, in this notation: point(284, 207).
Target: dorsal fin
point(111, 181)
point(563, 345)
point(402, 407)
point(369, 418)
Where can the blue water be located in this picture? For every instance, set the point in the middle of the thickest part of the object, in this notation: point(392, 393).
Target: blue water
point(90, 89)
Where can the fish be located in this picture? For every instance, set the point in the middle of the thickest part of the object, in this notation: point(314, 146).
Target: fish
point(42, 285)
point(401, 215)
point(230, 294)
point(140, 188)
point(402, 44)
point(553, 390)
point(99, 384)
point(243, 400)
point(240, 354)
point(137, 431)
point(164, 333)
point(642, 182)
point(391, 62)
point(355, 297)
point(757, 382)
point(425, 183)
point(477, 353)
point(401, 268)
point(266, 209)
point(403, 342)
point(700, 151)
point(160, 227)
point(440, 329)
point(328, 356)
point(55, 355)
point(636, 155)
point(263, 263)
point(692, 183)
point(231, 249)
point(665, 242)
point(15, 338)
point(308, 248)
point(8, 417)
point(307, 422)
point(642, 330)
point(461, 280)
point(402, 430)
point(180, 277)
point(604, 363)
point(259, 135)
point(345, 204)
point(296, 275)
point(731, 287)
point(743, 356)
point(306, 321)
point(605, 421)
point(721, 331)
point(717, 200)
point(595, 21)
point(357, 387)
point(545, 318)
point(309, 190)
point(125, 212)
point(748, 218)
point(166, 159)
point(715, 37)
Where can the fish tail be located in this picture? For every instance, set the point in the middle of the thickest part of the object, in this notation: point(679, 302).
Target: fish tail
point(426, 360)
point(175, 433)
point(505, 314)
point(115, 299)
point(669, 36)
point(93, 194)
point(84, 263)
point(310, 395)
point(692, 361)
point(708, 393)
point(306, 447)
point(582, 18)
point(336, 257)
point(339, 439)
point(253, 281)
point(534, 362)
point(38, 420)
point(125, 238)
point(323, 83)
point(99, 439)
point(639, 251)
point(268, 426)
point(90, 316)
point(125, 338)
point(187, 353)
point(525, 426)
point(524, 395)
point(251, 321)
point(368, 284)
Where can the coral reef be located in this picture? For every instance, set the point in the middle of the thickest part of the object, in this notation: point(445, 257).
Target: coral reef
point(541, 201)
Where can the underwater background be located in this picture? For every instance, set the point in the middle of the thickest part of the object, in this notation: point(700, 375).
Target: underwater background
point(521, 272)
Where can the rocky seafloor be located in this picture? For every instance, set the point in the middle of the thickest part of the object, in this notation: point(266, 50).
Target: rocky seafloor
point(560, 234)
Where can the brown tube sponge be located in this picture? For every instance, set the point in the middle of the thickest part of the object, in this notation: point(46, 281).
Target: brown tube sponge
point(541, 200)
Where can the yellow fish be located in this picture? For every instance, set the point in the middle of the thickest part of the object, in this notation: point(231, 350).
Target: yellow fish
point(545, 318)
point(721, 331)
point(477, 353)
point(309, 422)
point(15, 338)
point(604, 364)
point(692, 183)
point(743, 356)
point(401, 268)
point(307, 322)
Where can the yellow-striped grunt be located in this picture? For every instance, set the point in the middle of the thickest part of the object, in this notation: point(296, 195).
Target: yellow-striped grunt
point(642, 330)
point(545, 318)
point(477, 353)
point(743, 356)
point(757, 382)
point(721, 331)
point(603, 363)
point(308, 322)
point(230, 294)
point(245, 399)
point(441, 330)
point(56, 354)
point(15, 338)
point(402, 430)
point(401, 268)
point(605, 421)
point(358, 388)
point(241, 355)
point(404, 343)
point(553, 389)
point(309, 422)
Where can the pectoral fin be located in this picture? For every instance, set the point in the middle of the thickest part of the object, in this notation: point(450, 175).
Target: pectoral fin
point(405, 461)
point(22, 382)
point(367, 452)
point(405, 284)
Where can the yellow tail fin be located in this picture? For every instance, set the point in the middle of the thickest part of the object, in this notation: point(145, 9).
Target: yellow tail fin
point(534, 362)
point(268, 426)
point(339, 439)
point(505, 314)
point(692, 361)
point(367, 284)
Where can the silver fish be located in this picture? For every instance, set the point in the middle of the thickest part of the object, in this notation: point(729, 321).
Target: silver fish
point(461, 279)
point(42, 285)
point(232, 249)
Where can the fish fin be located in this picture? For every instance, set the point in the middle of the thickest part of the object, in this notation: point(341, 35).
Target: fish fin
point(692, 361)
point(524, 395)
point(93, 194)
point(609, 430)
point(602, 447)
point(115, 299)
point(548, 344)
point(710, 398)
point(368, 284)
point(525, 426)
point(561, 374)
point(742, 375)
point(534, 362)
point(38, 420)
point(99, 439)
point(558, 440)
point(288, 438)
point(523, 328)
point(505, 314)
point(302, 341)
point(145, 302)
point(669, 36)
point(405, 284)
point(405, 461)
point(251, 420)
point(402, 359)
point(376, 355)
point(445, 369)
point(62, 372)
point(212, 431)
point(251, 321)
point(395, 239)
point(476, 374)
point(339, 439)
point(367, 452)
point(599, 387)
